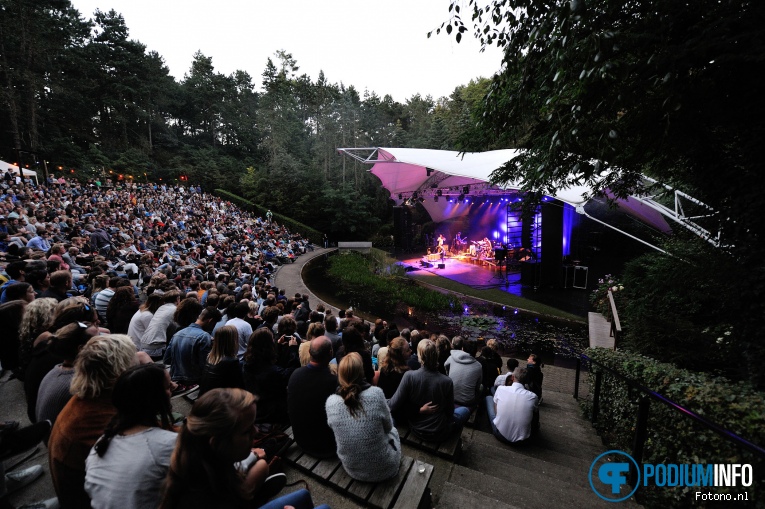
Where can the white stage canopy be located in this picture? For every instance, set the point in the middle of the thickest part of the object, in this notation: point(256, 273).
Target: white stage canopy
point(424, 174)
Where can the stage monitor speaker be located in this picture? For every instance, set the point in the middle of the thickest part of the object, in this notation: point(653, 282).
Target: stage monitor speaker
point(441, 265)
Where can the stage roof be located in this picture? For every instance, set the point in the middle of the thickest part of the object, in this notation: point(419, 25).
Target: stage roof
point(425, 173)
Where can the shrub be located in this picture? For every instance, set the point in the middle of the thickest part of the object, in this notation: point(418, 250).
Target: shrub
point(686, 308)
point(673, 437)
point(293, 226)
point(599, 297)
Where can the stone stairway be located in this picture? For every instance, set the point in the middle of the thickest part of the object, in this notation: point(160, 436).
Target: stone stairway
point(552, 472)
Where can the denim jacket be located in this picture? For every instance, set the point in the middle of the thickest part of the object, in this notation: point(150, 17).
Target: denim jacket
point(187, 354)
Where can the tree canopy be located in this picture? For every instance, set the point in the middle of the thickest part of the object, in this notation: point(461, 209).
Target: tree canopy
point(600, 92)
point(78, 92)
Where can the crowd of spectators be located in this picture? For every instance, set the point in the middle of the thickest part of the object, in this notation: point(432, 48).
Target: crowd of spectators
point(103, 284)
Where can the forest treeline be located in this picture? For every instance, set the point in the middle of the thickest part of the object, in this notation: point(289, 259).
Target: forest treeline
point(78, 93)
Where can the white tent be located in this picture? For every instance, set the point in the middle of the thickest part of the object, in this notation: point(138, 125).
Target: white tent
point(15, 169)
point(409, 173)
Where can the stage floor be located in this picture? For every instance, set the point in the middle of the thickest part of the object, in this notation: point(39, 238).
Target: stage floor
point(483, 276)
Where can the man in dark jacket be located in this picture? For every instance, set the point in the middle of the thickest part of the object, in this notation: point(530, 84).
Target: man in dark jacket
point(307, 391)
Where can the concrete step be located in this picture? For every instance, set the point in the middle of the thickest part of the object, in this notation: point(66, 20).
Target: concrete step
point(560, 398)
point(526, 451)
point(558, 433)
point(478, 453)
point(549, 438)
point(568, 430)
point(524, 489)
point(458, 497)
point(570, 407)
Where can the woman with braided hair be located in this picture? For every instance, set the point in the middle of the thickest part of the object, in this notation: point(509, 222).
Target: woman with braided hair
point(367, 443)
point(126, 467)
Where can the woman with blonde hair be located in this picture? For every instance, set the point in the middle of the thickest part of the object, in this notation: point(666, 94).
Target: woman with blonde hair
point(367, 443)
point(203, 469)
point(315, 330)
point(37, 318)
point(98, 365)
point(223, 369)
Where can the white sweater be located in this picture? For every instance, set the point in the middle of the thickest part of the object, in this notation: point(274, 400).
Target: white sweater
point(368, 445)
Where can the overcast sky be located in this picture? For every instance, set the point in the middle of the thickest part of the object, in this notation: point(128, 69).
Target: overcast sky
point(381, 46)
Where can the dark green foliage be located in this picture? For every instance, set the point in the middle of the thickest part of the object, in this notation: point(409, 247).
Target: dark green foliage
point(372, 285)
point(685, 308)
point(672, 436)
point(602, 92)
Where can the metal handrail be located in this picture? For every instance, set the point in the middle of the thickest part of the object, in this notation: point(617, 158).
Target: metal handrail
point(725, 433)
point(616, 326)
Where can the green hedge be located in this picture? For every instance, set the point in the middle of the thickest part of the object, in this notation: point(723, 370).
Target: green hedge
point(305, 231)
point(672, 437)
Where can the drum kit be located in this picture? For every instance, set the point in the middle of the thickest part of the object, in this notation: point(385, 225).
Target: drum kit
point(475, 248)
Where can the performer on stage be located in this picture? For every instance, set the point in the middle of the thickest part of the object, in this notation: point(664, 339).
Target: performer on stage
point(458, 243)
point(441, 240)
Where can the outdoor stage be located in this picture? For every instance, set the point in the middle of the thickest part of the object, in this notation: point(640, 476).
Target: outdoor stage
point(471, 272)
point(486, 275)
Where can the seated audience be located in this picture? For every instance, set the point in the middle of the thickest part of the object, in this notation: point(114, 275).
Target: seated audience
point(315, 330)
point(222, 369)
point(54, 392)
point(491, 363)
point(265, 378)
point(218, 433)
point(237, 314)
point(513, 410)
point(534, 376)
point(353, 341)
point(500, 380)
point(126, 467)
point(86, 415)
point(465, 371)
point(307, 391)
point(188, 350)
point(330, 330)
point(368, 444)
point(444, 352)
point(121, 308)
point(155, 338)
point(43, 359)
point(393, 367)
point(426, 398)
point(142, 318)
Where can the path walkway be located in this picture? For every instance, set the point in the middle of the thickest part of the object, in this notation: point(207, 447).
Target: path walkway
point(290, 277)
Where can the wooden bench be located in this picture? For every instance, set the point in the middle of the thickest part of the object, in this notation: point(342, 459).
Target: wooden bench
point(448, 449)
point(404, 491)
